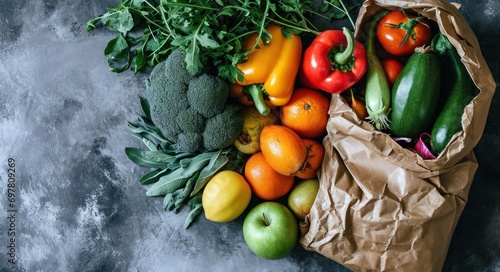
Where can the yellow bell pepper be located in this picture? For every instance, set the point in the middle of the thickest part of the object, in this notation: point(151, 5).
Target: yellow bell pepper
point(269, 71)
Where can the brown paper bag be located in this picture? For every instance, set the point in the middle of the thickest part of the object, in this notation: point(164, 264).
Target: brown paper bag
point(381, 207)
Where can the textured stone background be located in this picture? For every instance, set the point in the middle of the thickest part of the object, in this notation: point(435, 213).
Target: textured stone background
point(63, 118)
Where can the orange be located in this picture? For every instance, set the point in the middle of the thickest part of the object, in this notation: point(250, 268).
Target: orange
point(306, 112)
point(315, 153)
point(283, 149)
point(264, 181)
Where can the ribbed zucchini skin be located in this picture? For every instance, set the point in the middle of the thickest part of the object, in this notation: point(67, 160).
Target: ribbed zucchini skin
point(415, 95)
point(458, 90)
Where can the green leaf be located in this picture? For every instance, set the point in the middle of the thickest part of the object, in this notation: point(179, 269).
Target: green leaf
point(120, 20)
point(139, 60)
point(197, 163)
point(91, 24)
point(117, 53)
point(206, 41)
point(145, 107)
point(185, 192)
point(216, 163)
point(152, 159)
point(196, 209)
point(168, 183)
point(152, 146)
point(137, 3)
point(193, 63)
point(167, 201)
point(153, 176)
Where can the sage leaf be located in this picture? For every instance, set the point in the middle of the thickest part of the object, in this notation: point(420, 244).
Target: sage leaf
point(152, 159)
point(152, 176)
point(146, 108)
point(167, 200)
point(195, 211)
point(168, 183)
point(216, 163)
point(170, 200)
point(197, 163)
point(184, 194)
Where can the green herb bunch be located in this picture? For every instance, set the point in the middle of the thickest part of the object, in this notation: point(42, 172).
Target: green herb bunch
point(179, 177)
point(209, 32)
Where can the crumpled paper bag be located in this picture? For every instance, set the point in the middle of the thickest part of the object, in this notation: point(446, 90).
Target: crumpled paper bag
point(381, 207)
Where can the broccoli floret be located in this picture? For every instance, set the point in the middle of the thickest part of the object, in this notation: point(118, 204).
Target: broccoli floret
point(222, 129)
point(167, 85)
point(207, 94)
point(190, 110)
point(190, 120)
point(189, 142)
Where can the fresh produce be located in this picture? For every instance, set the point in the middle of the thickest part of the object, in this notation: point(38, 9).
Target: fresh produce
point(189, 110)
point(315, 154)
point(392, 68)
point(422, 147)
point(333, 62)
point(270, 230)
point(302, 197)
point(400, 33)
point(458, 90)
point(358, 105)
point(226, 196)
point(177, 175)
point(208, 32)
point(270, 68)
point(377, 91)
point(283, 149)
point(415, 94)
point(306, 113)
point(265, 182)
point(248, 141)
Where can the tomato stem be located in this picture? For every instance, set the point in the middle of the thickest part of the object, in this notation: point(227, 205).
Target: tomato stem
point(408, 27)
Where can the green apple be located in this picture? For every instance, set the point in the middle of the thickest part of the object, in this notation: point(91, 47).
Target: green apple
point(270, 230)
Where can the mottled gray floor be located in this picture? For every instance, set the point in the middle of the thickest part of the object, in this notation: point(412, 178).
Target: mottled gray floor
point(63, 118)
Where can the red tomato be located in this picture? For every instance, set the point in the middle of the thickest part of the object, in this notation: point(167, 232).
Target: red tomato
point(400, 33)
point(392, 68)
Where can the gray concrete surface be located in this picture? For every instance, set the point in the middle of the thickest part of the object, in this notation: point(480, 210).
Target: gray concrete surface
point(78, 203)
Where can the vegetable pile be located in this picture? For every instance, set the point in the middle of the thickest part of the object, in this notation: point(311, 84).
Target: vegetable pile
point(211, 61)
point(416, 87)
point(210, 33)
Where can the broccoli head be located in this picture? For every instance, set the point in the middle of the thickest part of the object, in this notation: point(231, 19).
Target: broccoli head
point(221, 130)
point(207, 94)
point(191, 110)
point(166, 93)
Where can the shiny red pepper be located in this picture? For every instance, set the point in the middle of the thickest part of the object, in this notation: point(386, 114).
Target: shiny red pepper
point(333, 62)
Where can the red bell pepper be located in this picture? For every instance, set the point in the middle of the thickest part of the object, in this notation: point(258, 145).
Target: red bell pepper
point(333, 62)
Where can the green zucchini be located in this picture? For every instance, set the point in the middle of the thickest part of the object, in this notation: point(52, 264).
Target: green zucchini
point(458, 91)
point(415, 95)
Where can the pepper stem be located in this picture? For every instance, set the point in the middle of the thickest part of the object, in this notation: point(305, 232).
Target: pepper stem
point(343, 57)
point(256, 93)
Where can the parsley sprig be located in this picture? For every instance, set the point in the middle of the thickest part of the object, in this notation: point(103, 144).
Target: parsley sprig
point(209, 32)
